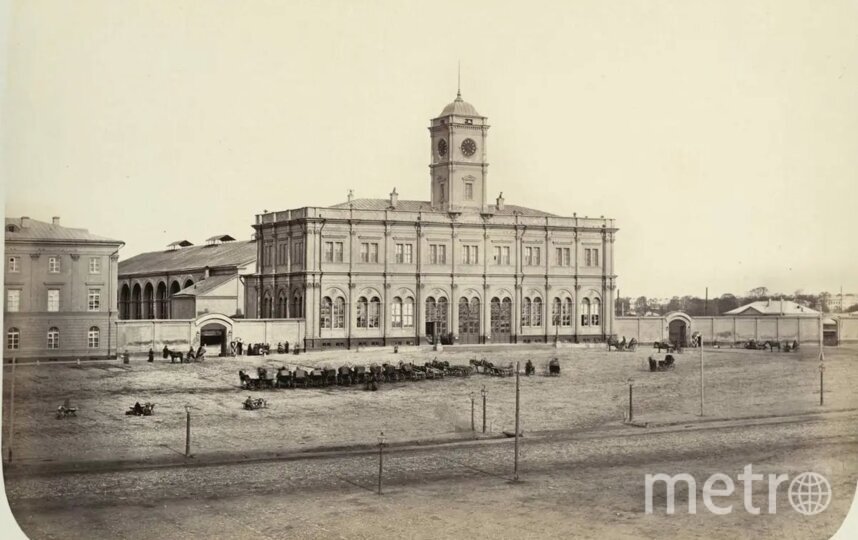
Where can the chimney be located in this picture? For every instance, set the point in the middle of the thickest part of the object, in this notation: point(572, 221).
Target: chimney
point(351, 195)
point(25, 222)
point(206, 273)
point(394, 198)
point(56, 220)
point(500, 201)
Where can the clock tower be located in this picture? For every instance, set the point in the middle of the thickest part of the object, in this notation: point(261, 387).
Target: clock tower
point(458, 167)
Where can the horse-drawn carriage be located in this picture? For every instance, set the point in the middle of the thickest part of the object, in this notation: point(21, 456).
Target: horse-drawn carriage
point(253, 404)
point(661, 365)
point(66, 410)
point(622, 345)
point(147, 409)
point(554, 367)
point(666, 345)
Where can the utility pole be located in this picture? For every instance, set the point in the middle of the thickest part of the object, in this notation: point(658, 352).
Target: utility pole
point(484, 393)
point(821, 359)
point(187, 431)
point(473, 428)
point(517, 392)
point(380, 459)
point(12, 411)
point(706, 303)
point(631, 410)
point(701, 375)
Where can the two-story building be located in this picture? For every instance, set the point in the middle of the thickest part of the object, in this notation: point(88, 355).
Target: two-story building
point(454, 268)
point(60, 291)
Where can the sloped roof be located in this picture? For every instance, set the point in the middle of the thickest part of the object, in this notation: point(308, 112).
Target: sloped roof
point(207, 285)
point(228, 254)
point(40, 231)
point(773, 307)
point(220, 238)
point(426, 206)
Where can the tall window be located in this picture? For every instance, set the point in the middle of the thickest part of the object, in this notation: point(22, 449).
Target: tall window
point(404, 253)
point(333, 252)
point(585, 312)
point(93, 300)
point(532, 256)
point(54, 265)
point(591, 257)
point(594, 315)
point(470, 254)
point(566, 314)
point(325, 314)
point(339, 313)
point(555, 312)
point(408, 313)
point(374, 312)
point(13, 300)
point(94, 265)
point(13, 339)
point(54, 338)
point(362, 312)
point(282, 253)
point(298, 252)
point(501, 255)
point(469, 191)
point(14, 265)
point(92, 337)
point(53, 299)
point(563, 256)
point(537, 311)
point(526, 308)
point(369, 252)
point(396, 313)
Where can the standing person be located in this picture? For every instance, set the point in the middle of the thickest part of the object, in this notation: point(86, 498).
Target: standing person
point(232, 348)
point(240, 347)
point(151, 354)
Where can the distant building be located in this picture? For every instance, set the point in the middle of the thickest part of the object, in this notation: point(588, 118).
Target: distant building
point(60, 291)
point(773, 307)
point(185, 281)
point(838, 303)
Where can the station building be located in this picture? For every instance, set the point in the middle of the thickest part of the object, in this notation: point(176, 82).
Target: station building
point(455, 269)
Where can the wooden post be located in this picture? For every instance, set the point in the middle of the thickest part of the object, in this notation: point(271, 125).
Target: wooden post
point(517, 392)
point(12, 411)
point(631, 409)
point(473, 428)
point(380, 459)
point(701, 376)
point(187, 431)
point(484, 393)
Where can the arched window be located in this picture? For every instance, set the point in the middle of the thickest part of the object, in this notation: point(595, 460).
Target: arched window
point(537, 311)
point(13, 339)
point(266, 305)
point(396, 313)
point(556, 318)
point(430, 309)
point(281, 305)
point(585, 312)
point(526, 307)
point(339, 315)
point(297, 306)
point(325, 313)
point(596, 311)
point(566, 313)
point(408, 313)
point(374, 312)
point(362, 312)
point(53, 338)
point(92, 337)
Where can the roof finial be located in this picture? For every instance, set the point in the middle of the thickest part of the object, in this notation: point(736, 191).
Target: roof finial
point(459, 82)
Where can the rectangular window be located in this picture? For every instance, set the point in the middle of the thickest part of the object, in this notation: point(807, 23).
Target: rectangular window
point(338, 252)
point(298, 252)
point(403, 253)
point(505, 255)
point(396, 314)
point(93, 300)
point(596, 257)
point(54, 265)
point(13, 300)
point(14, 264)
point(13, 339)
point(437, 254)
point(587, 260)
point(563, 256)
point(373, 253)
point(469, 191)
point(94, 265)
point(528, 256)
point(497, 255)
point(92, 338)
point(470, 255)
point(53, 299)
point(329, 252)
point(53, 338)
point(536, 256)
point(558, 255)
point(364, 252)
point(408, 314)
point(567, 257)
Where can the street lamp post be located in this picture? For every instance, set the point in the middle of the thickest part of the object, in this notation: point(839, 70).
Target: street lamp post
point(473, 428)
point(380, 459)
point(821, 371)
point(484, 394)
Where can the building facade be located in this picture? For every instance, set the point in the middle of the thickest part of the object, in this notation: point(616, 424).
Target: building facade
point(453, 269)
point(60, 291)
point(185, 281)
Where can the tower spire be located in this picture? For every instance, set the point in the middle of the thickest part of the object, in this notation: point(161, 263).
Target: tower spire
point(459, 82)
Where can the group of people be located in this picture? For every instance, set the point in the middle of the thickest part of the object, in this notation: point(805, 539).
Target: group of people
point(239, 348)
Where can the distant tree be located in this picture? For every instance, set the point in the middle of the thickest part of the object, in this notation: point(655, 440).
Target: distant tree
point(674, 305)
point(824, 300)
point(727, 302)
point(852, 309)
point(758, 293)
point(641, 305)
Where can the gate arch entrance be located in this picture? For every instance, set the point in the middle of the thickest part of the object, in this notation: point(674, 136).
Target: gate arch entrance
point(213, 335)
point(678, 332)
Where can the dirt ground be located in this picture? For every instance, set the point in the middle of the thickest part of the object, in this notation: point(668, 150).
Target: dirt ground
point(592, 390)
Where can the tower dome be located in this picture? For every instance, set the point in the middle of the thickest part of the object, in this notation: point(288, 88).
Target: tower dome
point(459, 107)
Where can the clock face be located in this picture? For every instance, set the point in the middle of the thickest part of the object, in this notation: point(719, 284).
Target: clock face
point(442, 147)
point(469, 147)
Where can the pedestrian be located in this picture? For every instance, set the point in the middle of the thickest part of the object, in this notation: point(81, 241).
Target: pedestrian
point(151, 354)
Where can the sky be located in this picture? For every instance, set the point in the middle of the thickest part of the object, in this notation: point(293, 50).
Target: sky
point(721, 136)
